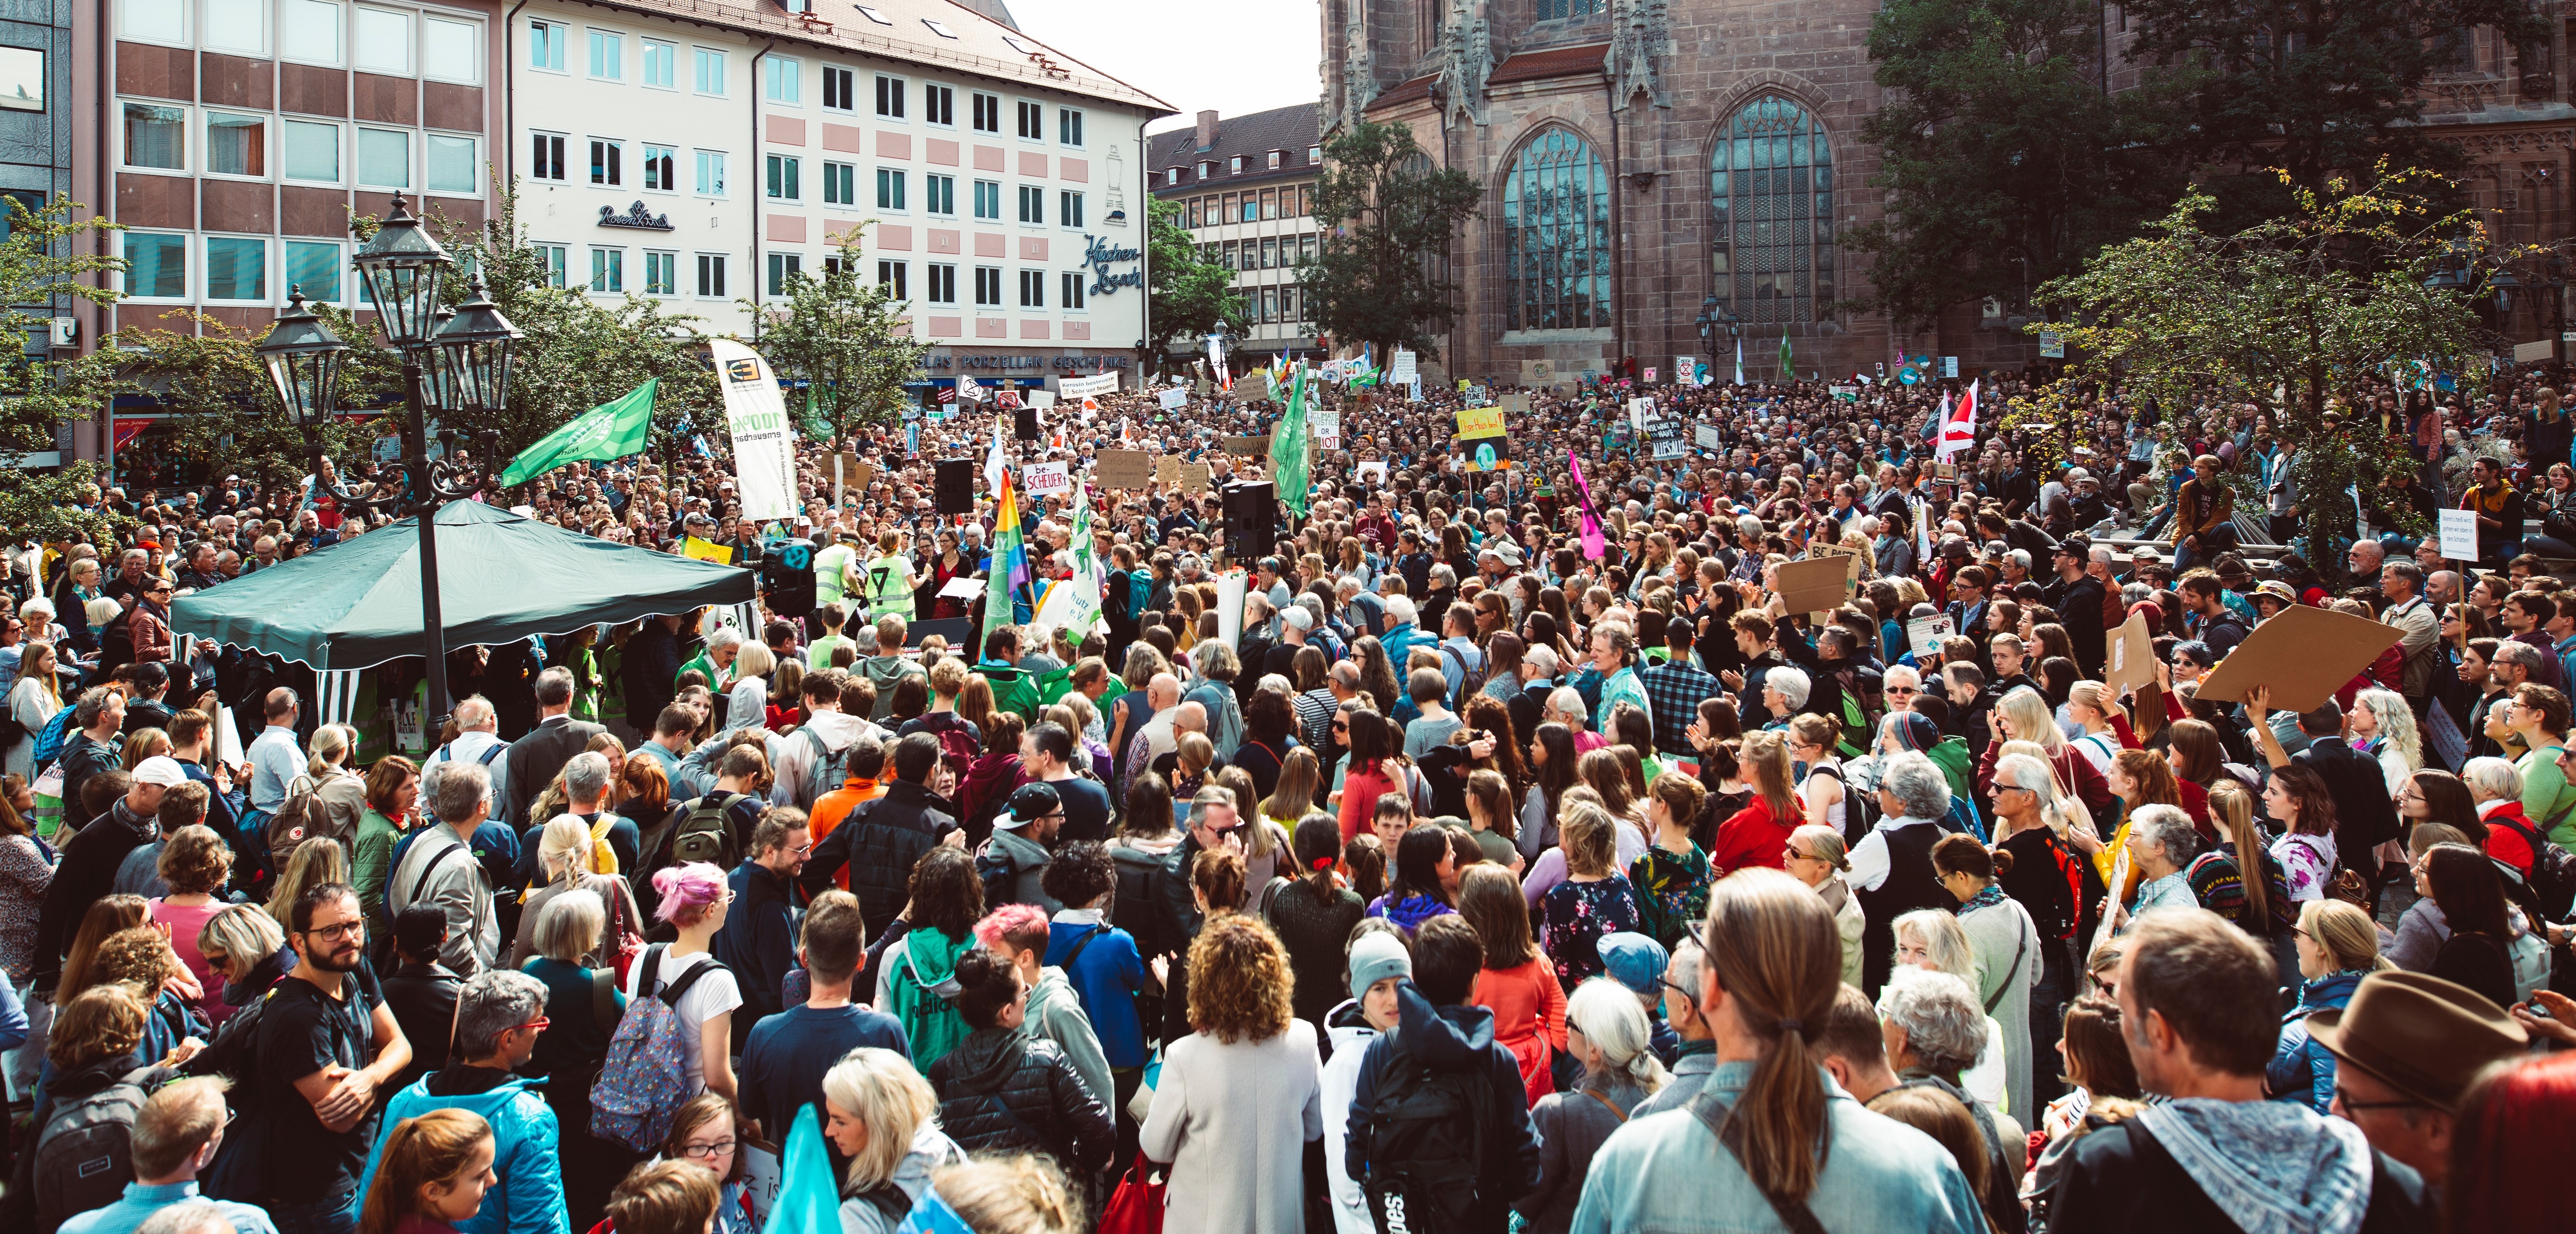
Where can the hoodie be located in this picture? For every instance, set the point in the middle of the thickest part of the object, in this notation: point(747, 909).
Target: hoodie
point(884, 672)
point(525, 1145)
point(1349, 1035)
point(797, 780)
point(916, 978)
point(2277, 1168)
point(1452, 1038)
point(931, 1149)
point(1055, 1013)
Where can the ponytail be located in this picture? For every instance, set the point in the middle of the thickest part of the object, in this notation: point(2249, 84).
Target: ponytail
point(1783, 968)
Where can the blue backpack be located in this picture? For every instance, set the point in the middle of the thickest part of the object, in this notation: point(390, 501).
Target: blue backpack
point(645, 1080)
point(49, 742)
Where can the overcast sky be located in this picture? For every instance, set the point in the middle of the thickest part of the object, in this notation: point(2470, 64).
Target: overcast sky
point(1191, 54)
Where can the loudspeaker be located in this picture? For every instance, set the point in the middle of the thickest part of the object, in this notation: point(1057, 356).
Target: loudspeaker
point(954, 493)
point(1252, 511)
point(1024, 422)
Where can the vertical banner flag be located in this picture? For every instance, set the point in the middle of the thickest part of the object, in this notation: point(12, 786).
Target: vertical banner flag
point(1288, 449)
point(1960, 431)
point(1739, 359)
point(1788, 366)
point(764, 461)
point(1594, 542)
point(1010, 566)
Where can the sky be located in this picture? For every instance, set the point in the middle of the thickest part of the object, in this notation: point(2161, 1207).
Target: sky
point(1168, 49)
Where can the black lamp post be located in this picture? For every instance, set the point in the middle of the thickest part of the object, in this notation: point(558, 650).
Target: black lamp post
point(457, 359)
point(1712, 318)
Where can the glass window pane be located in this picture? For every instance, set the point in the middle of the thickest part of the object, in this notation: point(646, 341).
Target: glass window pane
point(236, 268)
point(451, 164)
point(164, 21)
point(384, 159)
point(383, 44)
point(157, 265)
point(309, 30)
point(312, 151)
point(711, 71)
point(236, 25)
point(607, 55)
point(451, 50)
point(156, 136)
point(314, 267)
point(236, 145)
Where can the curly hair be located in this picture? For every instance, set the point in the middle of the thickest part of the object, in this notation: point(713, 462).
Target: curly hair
point(1239, 983)
point(138, 954)
point(196, 861)
point(946, 894)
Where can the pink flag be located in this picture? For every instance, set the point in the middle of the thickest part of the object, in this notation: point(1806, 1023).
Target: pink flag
point(1595, 544)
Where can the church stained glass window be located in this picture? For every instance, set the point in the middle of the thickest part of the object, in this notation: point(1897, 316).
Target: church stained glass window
point(1771, 182)
point(1556, 235)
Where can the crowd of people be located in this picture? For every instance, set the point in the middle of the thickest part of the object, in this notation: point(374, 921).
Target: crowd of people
point(1468, 850)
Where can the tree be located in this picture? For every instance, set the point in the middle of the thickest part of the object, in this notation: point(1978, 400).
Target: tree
point(1192, 295)
point(221, 405)
point(847, 339)
point(50, 254)
point(2005, 162)
point(2283, 316)
point(1380, 276)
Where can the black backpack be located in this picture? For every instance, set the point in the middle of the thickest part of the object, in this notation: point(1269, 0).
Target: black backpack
point(2552, 886)
point(85, 1153)
point(1425, 1145)
point(1138, 906)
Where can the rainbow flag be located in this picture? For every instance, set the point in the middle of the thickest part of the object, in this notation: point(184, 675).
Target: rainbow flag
point(1009, 571)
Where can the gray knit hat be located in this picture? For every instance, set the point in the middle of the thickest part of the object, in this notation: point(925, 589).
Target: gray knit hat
point(1376, 956)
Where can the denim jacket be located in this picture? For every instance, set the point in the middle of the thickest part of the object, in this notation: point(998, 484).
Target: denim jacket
point(1667, 1172)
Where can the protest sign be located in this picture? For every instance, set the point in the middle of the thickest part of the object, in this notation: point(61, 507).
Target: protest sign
point(1087, 387)
point(1194, 476)
point(1126, 469)
point(1249, 447)
point(1405, 368)
point(705, 550)
point(1668, 436)
point(2130, 660)
point(1038, 400)
point(764, 457)
point(1537, 372)
point(1480, 422)
point(1167, 470)
point(1516, 404)
point(1923, 635)
point(2304, 654)
point(1045, 478)
point(1370, 470)
point(2460, 534)
point(962, 587)
point(1855, 561)
point(1173, 399)
point(1815, 585)
point(1706, 437)
point(1638, 409)
point(1252, 385)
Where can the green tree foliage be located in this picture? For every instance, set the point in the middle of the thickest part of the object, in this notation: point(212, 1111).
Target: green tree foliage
point(222, 406)
point(2004, 161)
point(2281, 317)
point(1380, 276)
point(50, 259)
point(1192, 295)
point(848, 338)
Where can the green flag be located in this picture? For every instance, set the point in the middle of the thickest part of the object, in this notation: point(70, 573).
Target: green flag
point(610, 430)
point(1788, 369)
point(1288, 449)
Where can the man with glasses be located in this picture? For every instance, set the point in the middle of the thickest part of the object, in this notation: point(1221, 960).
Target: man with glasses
point(499, 1016)
point(2406, 1047)
point(758, 939)
point(325, 1042)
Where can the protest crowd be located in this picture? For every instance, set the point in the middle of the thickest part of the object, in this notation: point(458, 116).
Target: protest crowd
point(1295, 806)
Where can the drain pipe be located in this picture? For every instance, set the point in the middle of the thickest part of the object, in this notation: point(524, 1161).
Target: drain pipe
point(759, 290)
point(510, 96)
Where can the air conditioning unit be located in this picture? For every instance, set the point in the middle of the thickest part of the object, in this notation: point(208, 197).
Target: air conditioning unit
point(66, 332)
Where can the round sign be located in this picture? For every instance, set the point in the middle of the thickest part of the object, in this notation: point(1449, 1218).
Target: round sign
point(1485, 458)
point(1909, 375)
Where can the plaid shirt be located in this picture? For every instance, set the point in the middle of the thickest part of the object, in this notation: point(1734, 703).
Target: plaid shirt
point(1675, 689)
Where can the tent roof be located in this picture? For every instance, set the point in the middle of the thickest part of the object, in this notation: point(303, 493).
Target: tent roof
point(502, 577)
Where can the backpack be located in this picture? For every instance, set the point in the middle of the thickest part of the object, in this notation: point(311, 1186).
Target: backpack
point(706, 833)
point(1138, 906)
point(2552, 885)
point(1425, 1145)
point(85, 1154)
point(999, 874)
point(300, 815)
point(1860, 810)
point(49, 741)
point(828, 772)
point(1471, 676)
point(645, 1082)
point(956, 746)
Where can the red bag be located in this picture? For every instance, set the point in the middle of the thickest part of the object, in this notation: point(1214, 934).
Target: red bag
point(1136, 1207)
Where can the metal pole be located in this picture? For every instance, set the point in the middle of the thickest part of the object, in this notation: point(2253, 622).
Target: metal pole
point(425, 501)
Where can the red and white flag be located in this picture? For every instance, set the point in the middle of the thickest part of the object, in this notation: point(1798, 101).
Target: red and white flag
point(1959, 430)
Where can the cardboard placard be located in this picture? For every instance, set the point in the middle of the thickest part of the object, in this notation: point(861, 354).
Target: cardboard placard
point(1707, 437)
point(1855, 560)
point(2304, 654)
point(1125, 469)
point(1537, 372)
point(1167, 470)
point(2130, 659)
point(706, 550)
point(1194, 477)
point(1255, 384)
point(1923, 635)
point(2460, 534)
point(1814, 585)
point(1249, 447)
point(1516, 404)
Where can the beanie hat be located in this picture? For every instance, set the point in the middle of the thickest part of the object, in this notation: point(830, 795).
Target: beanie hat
point(1375, 957)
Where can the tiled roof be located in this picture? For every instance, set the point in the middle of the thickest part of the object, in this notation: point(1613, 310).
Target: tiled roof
point(1292, 129)
point(1553, 62)
point(1418, 88)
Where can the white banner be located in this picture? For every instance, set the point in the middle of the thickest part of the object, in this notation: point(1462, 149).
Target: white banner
point(1087, 387)
point(1229, 606)
point(1045, 478)
point(1404, 368)
point(1039, 400)
point(763, 458)
point(1173, 399)
point(1326, 425)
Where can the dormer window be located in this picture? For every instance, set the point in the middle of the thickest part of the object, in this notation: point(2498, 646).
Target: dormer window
point(1276, 157)
point(1235, 166)
point(1171, 176)
point(1206, 169)
point(1314, 155)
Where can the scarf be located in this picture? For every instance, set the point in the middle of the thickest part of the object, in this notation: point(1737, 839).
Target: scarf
point(1988, 898)
point(2276, 1167)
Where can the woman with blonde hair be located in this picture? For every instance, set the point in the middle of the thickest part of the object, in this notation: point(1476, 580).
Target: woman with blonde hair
point(883, 1116)
point(342, 792)
point(2338, 946)
point(1593, 900)
point(747, 701)
point(1933, 939)
point(1241, 1094)
point(247, 948)
point(432, 1174)
point(1818, 857)
point(1606, 1029)
point(141, 744)
point(316, 861)
point(2092, 706)
point(2383, 727)
point(564, 855)
point(1022, 1193)
point(32, 701)
point(2023, 715)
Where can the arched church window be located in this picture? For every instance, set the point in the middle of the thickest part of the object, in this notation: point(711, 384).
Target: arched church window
point(1556, 235)
point(1771, 183)
point(1553, 10)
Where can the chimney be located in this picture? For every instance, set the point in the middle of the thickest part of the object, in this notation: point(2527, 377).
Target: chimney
point(1207, 130)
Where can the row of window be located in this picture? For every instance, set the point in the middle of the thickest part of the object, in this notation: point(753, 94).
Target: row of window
point(1272, 305)
point(555, 47)
point(1292, 201)
point(256, 146)
point(662, 274)
point(242, 269)
point(1235, 165)
point(401, 42)
point(1267, 253)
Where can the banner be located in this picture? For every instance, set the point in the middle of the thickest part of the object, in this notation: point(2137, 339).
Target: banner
point(1404, 369)
point(613, 429)
point(1173, 399)
point(1087, 387)
point(764, 459)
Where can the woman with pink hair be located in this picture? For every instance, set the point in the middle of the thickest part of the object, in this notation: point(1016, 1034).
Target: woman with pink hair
point(694, 897)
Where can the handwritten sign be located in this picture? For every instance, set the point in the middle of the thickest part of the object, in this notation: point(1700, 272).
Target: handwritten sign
point(1706, 437)
point(1248, 447)
point(1194, 477)
point(1126, 469)
point(1046, 478)
point(1173, 399)
point(1480, 422)
point(1667, 434)
point(705, 550)
point(1087, 387)
point(2460, 535)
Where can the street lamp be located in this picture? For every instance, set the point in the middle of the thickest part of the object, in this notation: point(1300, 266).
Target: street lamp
point(454, 359)
point(1712, 318)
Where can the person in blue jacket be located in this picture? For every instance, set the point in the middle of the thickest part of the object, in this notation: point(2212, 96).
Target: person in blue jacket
point(498, 1017)
point(2338, 947)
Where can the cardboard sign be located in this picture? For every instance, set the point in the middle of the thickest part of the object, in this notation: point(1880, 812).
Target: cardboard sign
point(1167, 470)
point(1087, 387)
point(2130, 660)
point(1480, 422)
point(1923, 635)
point(1706, 437)
point(1405, 368)
point(1516, 404)
point(1255, 384)
point(2459, 535)
point(1125, 469)
point(705, 550)
point(1194, 477)
point(1638, 409)
point(1815, 585)
point(1855, 561)
point(1249, 447)
point(2304, 654)
point(1537, 372)
point(1046, 478)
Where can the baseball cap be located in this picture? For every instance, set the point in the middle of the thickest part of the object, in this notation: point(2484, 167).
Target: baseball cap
point(1029, 803)
point(1298, 618)
point(1635, 960)
point(160, 769)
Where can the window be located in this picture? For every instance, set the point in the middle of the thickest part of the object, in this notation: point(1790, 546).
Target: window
point(156, 136)
point(1032, 122)
point(1314, 155)
point(1072, 290)
point(1020, 45)
point(554, 259)
point(231, 25)
point(988, 200)
point(1269, 204)
point(236, 268)
point(1068, 126)
point(312, 151)
point(313, 267)
point(309, 31)
point(1269, 253)
point(162, 21)
point(452, 165)
point(1171, 176)
point(840, 184)
point(384, 158)
point(1269, 304)
point(939, 29)
point(156, 265)
point(988, 114)
point(1206, 169)
point(889, 189)
point(1251, 209)
point(1772, 187)
point(1068, 209)
point(1233, 259)
point(1032, 204)
point(661, 169)
point(607, 162)
point(711, 276)
point(1193, 211)
point(784, 268)
point(661, 273)
point(890, 275)
point(839, 89)
point(1275, 157)
point(383, 42)
point(1032, 289)
point(890, 97)
point(873, 15)
point(782, 177)
point(943, 284)
point(607, 56)
point(710, 76)
point(1556, 228)
point(988, 286)
point(546, 41)
point(711, 173)
point(451, 50)
point(1556, 10)
point(661, 65)
point(608, 270)
point(938, 105)
point(236, 145)
point(783, 81)
point(546, 160)
point(939, 194)
point(1306, 248)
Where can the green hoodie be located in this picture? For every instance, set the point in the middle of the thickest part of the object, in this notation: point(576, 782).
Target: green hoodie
point(1951, 756)
point(918, 991)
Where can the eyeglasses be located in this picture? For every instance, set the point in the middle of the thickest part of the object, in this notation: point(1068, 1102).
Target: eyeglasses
point(540, 1024)
point(717, 1149)
point(2350, 1106)
point(341, 930)
point(1901, 691)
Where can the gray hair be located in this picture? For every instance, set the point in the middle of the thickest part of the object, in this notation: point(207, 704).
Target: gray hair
point(586, 776)
point(455, 788)
point(569, 926)
point(475, 712)
point(2027, 772)
point(1917, 783)
point(1543, 658)
point(1217, 662)
point(492, 1003)
point(725, 636)
point(1569, 700)
point(2168, 828)
point(1610, 1017)
point(554, 687)
point(1944, 1026)
point(1791, 681)
point(1400, 610)
point(1212, 795)
point(2494, 777)
point(188, 1217)
point(2523, 654)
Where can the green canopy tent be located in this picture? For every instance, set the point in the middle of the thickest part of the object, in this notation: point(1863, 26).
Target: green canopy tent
point(502, 577)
